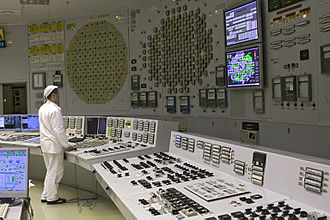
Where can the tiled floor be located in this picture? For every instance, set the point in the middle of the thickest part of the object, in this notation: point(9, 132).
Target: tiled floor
point(104, 208)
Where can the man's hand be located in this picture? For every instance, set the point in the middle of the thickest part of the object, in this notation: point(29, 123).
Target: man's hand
point(70, 148)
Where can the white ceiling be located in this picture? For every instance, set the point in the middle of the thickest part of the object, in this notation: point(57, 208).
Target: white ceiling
point(12, 12)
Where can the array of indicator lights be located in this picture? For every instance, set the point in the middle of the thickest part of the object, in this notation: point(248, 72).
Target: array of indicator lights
point(138, 130)
point(314, 180)
point(185, 143)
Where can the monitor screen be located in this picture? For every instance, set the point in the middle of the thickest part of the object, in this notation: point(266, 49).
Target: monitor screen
point(12, 122)
point(102, 126)
point(2, 122)
point(244, 67)
point(242, 24)
point(92, 124)
point(30, 122)
point(2, 38)
point(14, 172)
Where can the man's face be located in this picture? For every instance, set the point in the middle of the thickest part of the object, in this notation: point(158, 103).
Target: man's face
point(56, 97)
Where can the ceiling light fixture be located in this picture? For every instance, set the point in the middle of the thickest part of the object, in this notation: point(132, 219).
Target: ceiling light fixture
point(35, 2)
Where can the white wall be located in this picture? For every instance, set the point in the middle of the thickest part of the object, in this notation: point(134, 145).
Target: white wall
point(13, 58)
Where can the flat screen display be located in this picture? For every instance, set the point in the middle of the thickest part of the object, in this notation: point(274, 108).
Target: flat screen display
point(244, 67)
point(30, 122)
point(2, 38)
point(12, 122)
point(241, 24)
point(92, 124)
point(2, 122)
point(102, 126)
point(14, 173)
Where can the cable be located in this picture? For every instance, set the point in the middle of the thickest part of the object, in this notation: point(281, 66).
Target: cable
point(86, 202)
point(27, 205)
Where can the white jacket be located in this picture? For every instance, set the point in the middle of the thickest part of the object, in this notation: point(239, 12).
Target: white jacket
point(52, 131)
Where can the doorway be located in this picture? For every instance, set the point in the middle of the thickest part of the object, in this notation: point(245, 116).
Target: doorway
point(14, 98)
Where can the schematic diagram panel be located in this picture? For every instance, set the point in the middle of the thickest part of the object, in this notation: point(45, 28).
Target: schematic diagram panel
point(97, 63)
point(177, 58)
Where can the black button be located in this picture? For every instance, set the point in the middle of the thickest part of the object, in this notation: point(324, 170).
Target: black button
point(256, 196)
point(237, 214)
point(293, 217)
point(249, 201)
point(303, 214)
point(285, 213)
point(276, 209)
point(270, 206)
point(175, 212)
point(224, 217)
point(248, 211)
point(254, 215)
point(287, 207)
point(297, 211)
point(265, 212)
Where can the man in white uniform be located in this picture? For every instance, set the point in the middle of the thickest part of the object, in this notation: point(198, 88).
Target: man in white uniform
point(53, 143)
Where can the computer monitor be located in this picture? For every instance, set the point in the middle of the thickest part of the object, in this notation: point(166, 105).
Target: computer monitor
point(2, 122)
point(244, 67)
point(102, 126)
point(12, 122)
point(30, 122)
point(2, 38)
point(243, 24)
point(14, 175)
point(92, 125)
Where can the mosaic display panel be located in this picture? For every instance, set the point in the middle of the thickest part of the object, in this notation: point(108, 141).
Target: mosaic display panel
point(96, 62)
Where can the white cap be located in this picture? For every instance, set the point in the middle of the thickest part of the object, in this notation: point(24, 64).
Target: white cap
point(49, 90)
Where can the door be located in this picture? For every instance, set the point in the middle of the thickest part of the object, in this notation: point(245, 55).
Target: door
point(14, 98)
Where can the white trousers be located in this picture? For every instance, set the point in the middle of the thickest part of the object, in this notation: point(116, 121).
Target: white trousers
point(55, 168)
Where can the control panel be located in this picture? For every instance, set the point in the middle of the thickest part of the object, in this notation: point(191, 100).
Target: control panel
point(26, 139)
point(291, 32)
point(151, 171)
point(260, 167)
point(123, 137)
point(133, 129)
point(179, 55)
point(74, 126)
point(192, 181)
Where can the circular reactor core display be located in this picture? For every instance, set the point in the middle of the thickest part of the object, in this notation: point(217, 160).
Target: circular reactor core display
point(96, 62)
point(242, 68)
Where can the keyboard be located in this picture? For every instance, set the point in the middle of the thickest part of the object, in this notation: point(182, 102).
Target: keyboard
point(76, 139)
point(3, 210)
point(35, 140)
